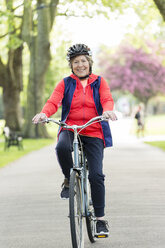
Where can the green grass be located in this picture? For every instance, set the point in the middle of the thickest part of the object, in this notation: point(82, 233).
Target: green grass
point(159, 144)
point(155, 125)
point(29, 145)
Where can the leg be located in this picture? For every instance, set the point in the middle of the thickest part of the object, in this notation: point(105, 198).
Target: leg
point(64, 152)
point(94, 150)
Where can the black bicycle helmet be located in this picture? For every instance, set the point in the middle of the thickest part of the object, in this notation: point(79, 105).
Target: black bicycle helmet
point(78, 49)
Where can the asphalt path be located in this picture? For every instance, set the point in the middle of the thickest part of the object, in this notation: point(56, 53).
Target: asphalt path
point(32, 215)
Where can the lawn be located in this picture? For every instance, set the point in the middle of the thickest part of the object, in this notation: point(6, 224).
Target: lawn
point(159, 144)
point(154, 125)
point(29, 145)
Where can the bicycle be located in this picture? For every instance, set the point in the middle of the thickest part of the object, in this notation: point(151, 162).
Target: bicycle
point(80, 202)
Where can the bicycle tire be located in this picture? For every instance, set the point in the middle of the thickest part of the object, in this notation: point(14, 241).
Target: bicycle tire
point(91, 219)
point(75, 211)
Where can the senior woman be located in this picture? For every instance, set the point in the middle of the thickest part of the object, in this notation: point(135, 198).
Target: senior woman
point(83, 95)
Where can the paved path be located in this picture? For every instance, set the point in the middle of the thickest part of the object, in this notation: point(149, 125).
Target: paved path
point(33, 216)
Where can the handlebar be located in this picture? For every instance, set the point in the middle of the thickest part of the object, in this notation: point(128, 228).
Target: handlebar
point(75, 127)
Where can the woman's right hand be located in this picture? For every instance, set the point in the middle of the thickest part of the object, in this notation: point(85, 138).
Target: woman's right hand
point(39, 117)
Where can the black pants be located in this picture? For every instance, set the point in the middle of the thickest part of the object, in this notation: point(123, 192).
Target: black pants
point(94, 148)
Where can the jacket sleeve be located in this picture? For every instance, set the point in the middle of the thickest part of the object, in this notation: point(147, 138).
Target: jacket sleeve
point(105, 96)
point(55, 100)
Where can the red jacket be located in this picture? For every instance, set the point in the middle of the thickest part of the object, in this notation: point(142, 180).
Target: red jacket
point(83, 106)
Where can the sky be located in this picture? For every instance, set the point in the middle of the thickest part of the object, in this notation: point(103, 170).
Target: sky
point(97, 30)
point(100, 30)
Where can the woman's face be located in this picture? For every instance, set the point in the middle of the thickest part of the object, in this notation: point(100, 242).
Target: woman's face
point(80, 66)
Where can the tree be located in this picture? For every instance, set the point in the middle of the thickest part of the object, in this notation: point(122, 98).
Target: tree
point(11, 71)
point(58, 64)
point(161, 6)
point(39, 47)
point(31, 22)
point(25, 22)
point(136, 71)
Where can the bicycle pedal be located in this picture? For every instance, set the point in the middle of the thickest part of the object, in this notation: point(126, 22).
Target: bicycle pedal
point(101, 236)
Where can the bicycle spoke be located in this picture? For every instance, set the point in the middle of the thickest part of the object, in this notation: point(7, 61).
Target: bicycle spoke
point(75, 205)
point(90, 218)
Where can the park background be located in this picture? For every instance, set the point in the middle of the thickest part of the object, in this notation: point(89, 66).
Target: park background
point(126, 37)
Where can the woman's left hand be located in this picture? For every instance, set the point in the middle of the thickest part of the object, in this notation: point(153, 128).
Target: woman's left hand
point(110, 115)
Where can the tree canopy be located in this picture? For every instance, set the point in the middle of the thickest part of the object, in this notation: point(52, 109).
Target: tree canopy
point(31, 22)
point(134, 70)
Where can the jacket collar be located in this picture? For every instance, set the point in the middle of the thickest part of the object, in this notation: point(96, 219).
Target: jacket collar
point(92, 78)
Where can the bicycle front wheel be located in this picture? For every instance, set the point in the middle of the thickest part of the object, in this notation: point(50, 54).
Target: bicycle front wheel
point(90, 217)
point(75, 211)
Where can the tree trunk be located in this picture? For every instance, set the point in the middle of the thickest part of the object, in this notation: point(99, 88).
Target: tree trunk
point(35, 91)
point(12, 108)
point(161, 6)
point(11, 90)
point(11, 78)
point(39, 62)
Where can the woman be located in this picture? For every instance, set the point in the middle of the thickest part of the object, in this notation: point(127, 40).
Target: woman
point(83, 96)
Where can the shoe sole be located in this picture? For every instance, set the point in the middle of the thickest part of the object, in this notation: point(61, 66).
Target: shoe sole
point(64, 198)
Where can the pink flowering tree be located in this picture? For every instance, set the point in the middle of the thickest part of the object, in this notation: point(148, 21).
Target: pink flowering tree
point(136, 71)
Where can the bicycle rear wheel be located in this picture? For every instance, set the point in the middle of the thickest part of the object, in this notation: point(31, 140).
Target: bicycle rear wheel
point(75, 211)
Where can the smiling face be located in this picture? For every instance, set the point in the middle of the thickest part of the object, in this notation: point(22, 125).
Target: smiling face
point(80, 66)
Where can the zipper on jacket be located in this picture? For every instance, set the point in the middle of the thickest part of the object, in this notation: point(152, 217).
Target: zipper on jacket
point(84, 94)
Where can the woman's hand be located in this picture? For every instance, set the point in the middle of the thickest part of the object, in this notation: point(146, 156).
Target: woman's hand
point(110, 115)
point(39, 117)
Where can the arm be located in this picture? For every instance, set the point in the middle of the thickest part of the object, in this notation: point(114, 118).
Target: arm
point(55, 100)
point(52, 103)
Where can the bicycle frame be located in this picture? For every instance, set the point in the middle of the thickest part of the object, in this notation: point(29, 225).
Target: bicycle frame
point(80, 167)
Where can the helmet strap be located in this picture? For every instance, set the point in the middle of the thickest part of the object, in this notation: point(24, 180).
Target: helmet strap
point(84, 77)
